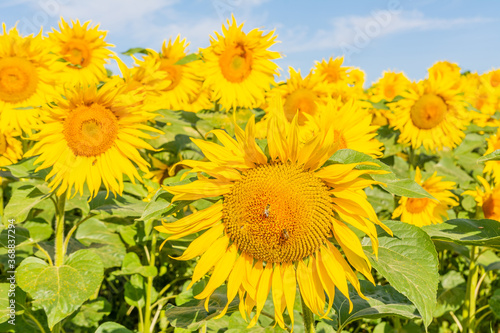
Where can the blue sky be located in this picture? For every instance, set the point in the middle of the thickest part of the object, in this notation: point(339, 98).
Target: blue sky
point(400, 35)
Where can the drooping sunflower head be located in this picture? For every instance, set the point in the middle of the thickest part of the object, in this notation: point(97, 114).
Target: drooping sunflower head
point(92, 137)
point(276, 217)
point(239, 66)
point(431, 114)
point(27, 74)
point(488, 198)
point(83, 50)
point(425, 211)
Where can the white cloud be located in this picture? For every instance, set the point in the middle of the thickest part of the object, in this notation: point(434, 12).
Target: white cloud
point(358, 31)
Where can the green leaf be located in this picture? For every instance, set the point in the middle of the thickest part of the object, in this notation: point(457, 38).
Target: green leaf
point(134, 291)
point(61, 290)
point(192, 314)
point(123, 206)
point(402, 187)
point(26, 169)
point(467, 232)
point(92, 312)
point(451, 293)
point(112, 327)
point(494, 156)
point(409, 262)
point(135, 50)
point(187, 59)
point(160, 206)
point(24, 197)
point(382, 301)
point(494, 303)
point(12, 298)
point(132, 265)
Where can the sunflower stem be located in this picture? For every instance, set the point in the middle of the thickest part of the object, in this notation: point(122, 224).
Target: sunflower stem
point(147, 311)
point(59, 240)
point(308, 317)
point(470, 297)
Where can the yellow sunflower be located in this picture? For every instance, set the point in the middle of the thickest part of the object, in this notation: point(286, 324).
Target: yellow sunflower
point(425, 211)
point(28, 72)
point(11, 149)
point(92, 137)
point(273, 227)
point(390, 85)
point(84, 51)
point(431, 114)
point(352, 127)
point(492, 168)
point(488, 199)
point(239, 67)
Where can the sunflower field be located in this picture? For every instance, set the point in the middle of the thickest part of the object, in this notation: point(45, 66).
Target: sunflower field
point(201, 191)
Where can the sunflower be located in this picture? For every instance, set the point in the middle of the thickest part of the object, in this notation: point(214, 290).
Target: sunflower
point(28, 72)
point(430, 114)
point(389, 86)
point(492, 168)
point(84, 51)
point(276, 218)
point(425, 211)
point(11, 149)
point(239, 67)
point(352, 127)
point(488, 199)
point(92, 136)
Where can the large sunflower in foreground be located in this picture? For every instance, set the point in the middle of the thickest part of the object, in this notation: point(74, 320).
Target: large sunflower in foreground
point(277, 216)
point(92, 137)
point(425, 211)
point(431, 114)
point(239, 66)
point(28, 72)
point(488, 198)
point(83, 50)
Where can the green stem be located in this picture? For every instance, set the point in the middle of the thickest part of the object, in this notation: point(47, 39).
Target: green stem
point(73, 229)
point(397, 324)
point(37, 323)
point(56, 328)
point(59, 240)
point(308, 317)
point(41, 249)
point(149, 288)
point(470, 296)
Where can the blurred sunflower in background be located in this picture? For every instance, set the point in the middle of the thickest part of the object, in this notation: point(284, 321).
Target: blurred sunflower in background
point(238, 66)
point(488, 198)
point(92, 137)
point(425, 211)
point(431, 114)
point(274, 225)
point(82, 48)
point(492, 168)
point(28, 72)
point(11, 149)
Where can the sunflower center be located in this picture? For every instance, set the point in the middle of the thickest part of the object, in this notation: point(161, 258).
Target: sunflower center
point(416, 205)
point(77, 53)
point(301, 100)
point(278, 213)
point(90, 130)
point(18, 79)
point(389, 93)
point(340, 139)
point(495, 79)
point(174, 72)
point(332, 75)
point(3, 144)
point(236, 63)
point(491, 208)
point(428, 111)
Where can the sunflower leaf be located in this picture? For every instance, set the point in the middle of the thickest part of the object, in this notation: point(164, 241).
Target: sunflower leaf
point(187, 59)
point(382, 301)
point(494, 156)
point(25, 196)
point(409, 262)
point(61, 290)
point(25, 168)
point(112, 327)
point(467, 232)
point(401, 187)
point(135, 50)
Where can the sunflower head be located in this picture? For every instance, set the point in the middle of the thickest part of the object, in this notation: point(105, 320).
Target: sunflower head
point(92, 137)
point(11, 149)
point(425, 211)
point(488, 198)
point(83, 50)
point(389, 86)
point(276, 217)
point(28, 72)
point(239, 67)
point(492, 168)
